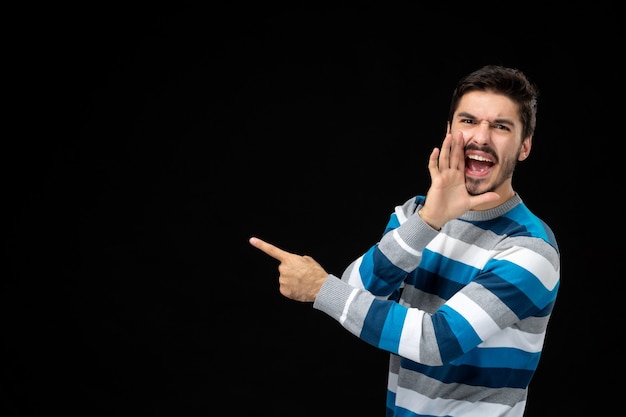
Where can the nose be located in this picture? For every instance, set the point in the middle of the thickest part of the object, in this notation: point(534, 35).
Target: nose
point(482, 132)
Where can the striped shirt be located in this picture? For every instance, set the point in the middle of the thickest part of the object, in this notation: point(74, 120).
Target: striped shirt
point(463, 311)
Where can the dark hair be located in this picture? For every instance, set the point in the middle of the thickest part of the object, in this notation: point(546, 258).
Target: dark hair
point(510, 82)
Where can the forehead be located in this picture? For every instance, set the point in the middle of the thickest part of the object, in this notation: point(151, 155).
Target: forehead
point(486, 105)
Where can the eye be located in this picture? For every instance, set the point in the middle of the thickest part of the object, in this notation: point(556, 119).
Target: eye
point(467, 121)
point(501, 127)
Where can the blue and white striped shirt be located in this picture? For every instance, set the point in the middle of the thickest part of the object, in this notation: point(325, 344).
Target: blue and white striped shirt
point(463, 311)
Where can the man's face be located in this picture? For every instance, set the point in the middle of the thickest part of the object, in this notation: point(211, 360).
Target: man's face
point(492, 131)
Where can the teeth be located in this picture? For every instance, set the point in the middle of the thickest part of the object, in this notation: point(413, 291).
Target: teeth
point(478, 158)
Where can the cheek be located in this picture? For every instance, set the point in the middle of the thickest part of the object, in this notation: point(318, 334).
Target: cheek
point(466, 130)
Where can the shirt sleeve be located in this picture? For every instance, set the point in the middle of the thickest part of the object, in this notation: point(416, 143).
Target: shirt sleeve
point(518, 282)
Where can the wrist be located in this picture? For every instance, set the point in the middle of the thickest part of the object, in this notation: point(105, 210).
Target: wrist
point(426, 219)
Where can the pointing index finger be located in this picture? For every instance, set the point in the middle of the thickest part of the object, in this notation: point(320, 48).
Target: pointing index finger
point(271, 250)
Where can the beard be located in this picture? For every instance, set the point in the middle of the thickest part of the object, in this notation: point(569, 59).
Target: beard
point(476, 186)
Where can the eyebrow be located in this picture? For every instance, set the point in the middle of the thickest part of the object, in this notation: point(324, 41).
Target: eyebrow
point(467, 115)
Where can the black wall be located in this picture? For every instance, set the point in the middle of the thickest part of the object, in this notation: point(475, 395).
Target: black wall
point(152, 142)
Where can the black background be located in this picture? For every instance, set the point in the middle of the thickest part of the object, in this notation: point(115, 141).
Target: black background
point(151, 143)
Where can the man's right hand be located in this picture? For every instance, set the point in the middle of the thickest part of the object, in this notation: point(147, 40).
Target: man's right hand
point(447, 197)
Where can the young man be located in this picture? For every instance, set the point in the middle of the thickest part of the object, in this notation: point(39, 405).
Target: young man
point(462, 283)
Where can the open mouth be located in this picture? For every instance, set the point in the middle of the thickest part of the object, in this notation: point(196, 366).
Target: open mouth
point(478, 165)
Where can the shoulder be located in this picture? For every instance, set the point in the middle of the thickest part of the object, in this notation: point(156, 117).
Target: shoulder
point(524, 223)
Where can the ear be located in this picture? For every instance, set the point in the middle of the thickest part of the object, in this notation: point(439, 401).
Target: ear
point(448, 127)
point(525, 149)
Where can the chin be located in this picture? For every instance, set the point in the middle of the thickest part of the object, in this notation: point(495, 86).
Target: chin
point(475, 187)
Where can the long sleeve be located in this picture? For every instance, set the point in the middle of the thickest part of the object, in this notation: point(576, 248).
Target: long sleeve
point(455, 296)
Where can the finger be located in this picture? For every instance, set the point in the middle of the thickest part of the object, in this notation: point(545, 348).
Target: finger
point(433, 162)
point(457, 154)
point(482, 199)
point(271, 250)
point(444, 153)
